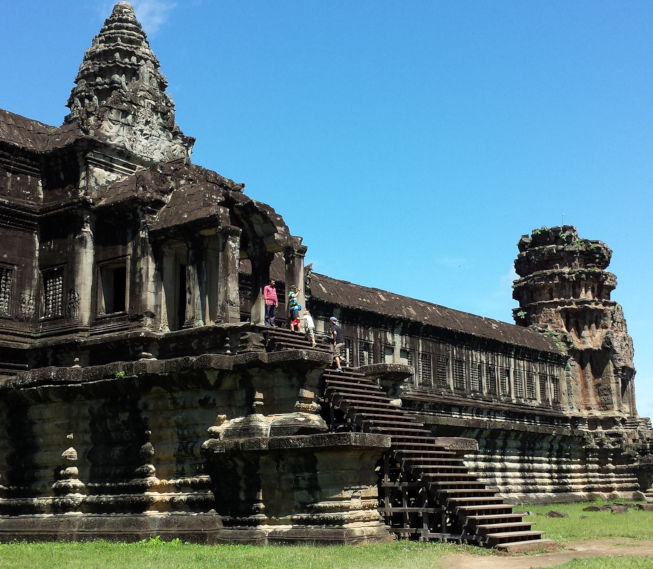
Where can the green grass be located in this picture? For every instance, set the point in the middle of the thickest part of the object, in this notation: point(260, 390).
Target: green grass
point(635, 524)
point(157, 554)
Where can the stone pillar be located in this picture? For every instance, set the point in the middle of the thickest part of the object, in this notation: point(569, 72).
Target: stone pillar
point(294, 257)
point(80, 299)
point(228, 300)
point(194, 273)
point(260, 277)
point(167, 288)
point(143, 275)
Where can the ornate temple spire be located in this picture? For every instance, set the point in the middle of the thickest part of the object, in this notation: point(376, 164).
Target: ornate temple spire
point(120, 95)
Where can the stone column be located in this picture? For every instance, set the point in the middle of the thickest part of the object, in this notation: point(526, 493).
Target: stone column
point(228, 301)
point(167, 288)
point(260, 277)
point(194, 272)
point(80, 300)
point(294, 257)
point(143, 297)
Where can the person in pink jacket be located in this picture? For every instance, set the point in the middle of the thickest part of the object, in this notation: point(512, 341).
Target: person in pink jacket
point(271, 302)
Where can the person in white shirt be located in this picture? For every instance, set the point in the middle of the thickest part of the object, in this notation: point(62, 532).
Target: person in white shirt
point(309, 327)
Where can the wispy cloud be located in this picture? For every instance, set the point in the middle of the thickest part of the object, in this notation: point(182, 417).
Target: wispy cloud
point(505, 283)
point(152, 14)
point(451, 261)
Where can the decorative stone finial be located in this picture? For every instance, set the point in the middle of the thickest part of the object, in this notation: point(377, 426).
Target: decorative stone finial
point(120, 93)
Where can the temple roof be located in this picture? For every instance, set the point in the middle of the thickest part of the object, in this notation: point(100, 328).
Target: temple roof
point(350, 295)
point(23, 132)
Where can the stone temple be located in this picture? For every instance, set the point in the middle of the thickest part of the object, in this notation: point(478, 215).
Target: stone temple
point(140, 394)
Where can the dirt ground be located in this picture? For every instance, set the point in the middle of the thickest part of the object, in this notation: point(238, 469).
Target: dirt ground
point(617, 547)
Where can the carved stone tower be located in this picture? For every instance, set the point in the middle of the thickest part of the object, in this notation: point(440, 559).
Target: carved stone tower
point(120, 93)
point(564, 290)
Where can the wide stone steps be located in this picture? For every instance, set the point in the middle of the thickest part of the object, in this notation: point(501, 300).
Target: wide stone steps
point(429, 492)
point(454, 492)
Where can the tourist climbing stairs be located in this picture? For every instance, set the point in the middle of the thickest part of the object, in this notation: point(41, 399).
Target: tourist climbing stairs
point(425, 490)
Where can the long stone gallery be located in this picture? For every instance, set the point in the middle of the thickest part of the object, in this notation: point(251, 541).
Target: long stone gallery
point(141, 394)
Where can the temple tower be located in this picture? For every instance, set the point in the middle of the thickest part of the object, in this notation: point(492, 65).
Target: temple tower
point(120, 95)
point(564, 290)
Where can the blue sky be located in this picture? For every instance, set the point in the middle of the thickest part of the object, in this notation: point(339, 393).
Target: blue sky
point(410, 143)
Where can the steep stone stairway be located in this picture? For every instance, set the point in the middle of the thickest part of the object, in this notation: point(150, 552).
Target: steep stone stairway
point(276, 338)
point(425, 490)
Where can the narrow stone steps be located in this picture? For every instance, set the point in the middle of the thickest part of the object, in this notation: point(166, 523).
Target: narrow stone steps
point(282, 345)
point(343, 378)
point(475, 500)
point(424, 452)
point(444, 468)
point(346, 384)
point(493, 508)
point(343, 391)
point(395, 418)
point(453, 492)
point(369, 406)
point(391, 430)
point(501, 527)
point(425, 441)
point(512, 536)
point(488, 519)
point(346, 372)
point(449, 477)
point(447, 485)
point(431, 460)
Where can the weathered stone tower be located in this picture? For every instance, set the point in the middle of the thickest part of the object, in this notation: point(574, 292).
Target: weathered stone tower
point(564, 290)
point(120, 93)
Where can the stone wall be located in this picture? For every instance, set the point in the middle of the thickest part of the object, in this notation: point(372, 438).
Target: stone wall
point(208, 448)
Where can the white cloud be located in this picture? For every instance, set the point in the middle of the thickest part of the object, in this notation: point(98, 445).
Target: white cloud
point(505, 283)
point(152, 14)
point(451, 261)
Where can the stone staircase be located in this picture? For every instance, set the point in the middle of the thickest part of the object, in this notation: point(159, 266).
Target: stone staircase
point(275, 338)
point(425, 490)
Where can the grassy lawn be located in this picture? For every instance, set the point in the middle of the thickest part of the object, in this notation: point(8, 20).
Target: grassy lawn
point(635, 524)
point(156, 554)
point(177, 555)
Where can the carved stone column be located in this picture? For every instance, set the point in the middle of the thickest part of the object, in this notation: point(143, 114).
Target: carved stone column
point(144, 294)
point(294, 257)
point(194, 274)
point(229, 256)
point(79, 299)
